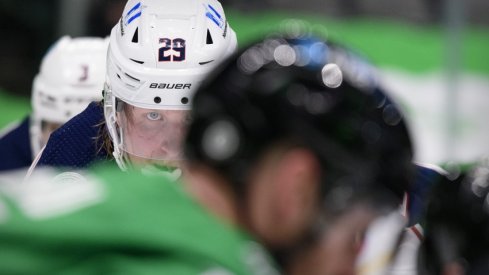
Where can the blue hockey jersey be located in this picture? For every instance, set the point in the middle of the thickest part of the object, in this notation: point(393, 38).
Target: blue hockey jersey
point(15, 147)
point(426, 178)
point(76, 143)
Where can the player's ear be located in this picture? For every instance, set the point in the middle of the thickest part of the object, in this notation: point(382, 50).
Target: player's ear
point(297, 181)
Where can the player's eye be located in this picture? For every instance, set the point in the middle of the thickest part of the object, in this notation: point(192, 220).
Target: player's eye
point(153, 116)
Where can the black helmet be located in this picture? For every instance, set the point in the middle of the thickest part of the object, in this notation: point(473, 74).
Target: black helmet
point(312, 93)
point(457, 224)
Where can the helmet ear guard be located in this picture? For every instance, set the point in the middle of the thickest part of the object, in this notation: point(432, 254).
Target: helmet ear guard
point(111, 107)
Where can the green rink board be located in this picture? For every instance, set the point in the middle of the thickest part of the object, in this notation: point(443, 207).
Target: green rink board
point(410, 47)
point(12, 108)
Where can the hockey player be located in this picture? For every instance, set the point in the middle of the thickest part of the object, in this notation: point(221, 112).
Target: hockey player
point(70, 77)
point(283, 142)
point(457, 226)
point(159, 53)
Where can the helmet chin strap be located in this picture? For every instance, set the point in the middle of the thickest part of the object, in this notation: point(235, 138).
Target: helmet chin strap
point(35, 133)
point(119, 159)
point(119, 156)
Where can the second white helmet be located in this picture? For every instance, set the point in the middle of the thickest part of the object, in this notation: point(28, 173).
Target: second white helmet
point(71, 75)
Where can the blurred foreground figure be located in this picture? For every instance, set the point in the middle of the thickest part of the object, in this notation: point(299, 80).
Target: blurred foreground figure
point(457, 226)
point(70, 77)
point(291, 152)
point(159, 53)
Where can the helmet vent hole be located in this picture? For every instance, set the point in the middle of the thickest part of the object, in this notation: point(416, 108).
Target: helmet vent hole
point(137, 61)
point(209, 40)
point(157, 99)
point(184, 100)
point(132, 77)
point(135, 36)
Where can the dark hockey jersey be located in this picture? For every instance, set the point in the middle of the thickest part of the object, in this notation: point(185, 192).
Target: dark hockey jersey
point(426, 178)
point(76, 143)
point(15, 147)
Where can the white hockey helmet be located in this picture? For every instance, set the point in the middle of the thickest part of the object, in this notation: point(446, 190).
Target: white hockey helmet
point(71, 75)
point(159, 53)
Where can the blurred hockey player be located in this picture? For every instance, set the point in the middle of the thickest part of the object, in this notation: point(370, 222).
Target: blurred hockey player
point(286, 142)
point(159, 53)
point(70, 77)
point(457, 226)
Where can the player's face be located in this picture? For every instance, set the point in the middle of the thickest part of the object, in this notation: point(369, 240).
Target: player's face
point(283, 206)
point(153, 136)
point(283, 196)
